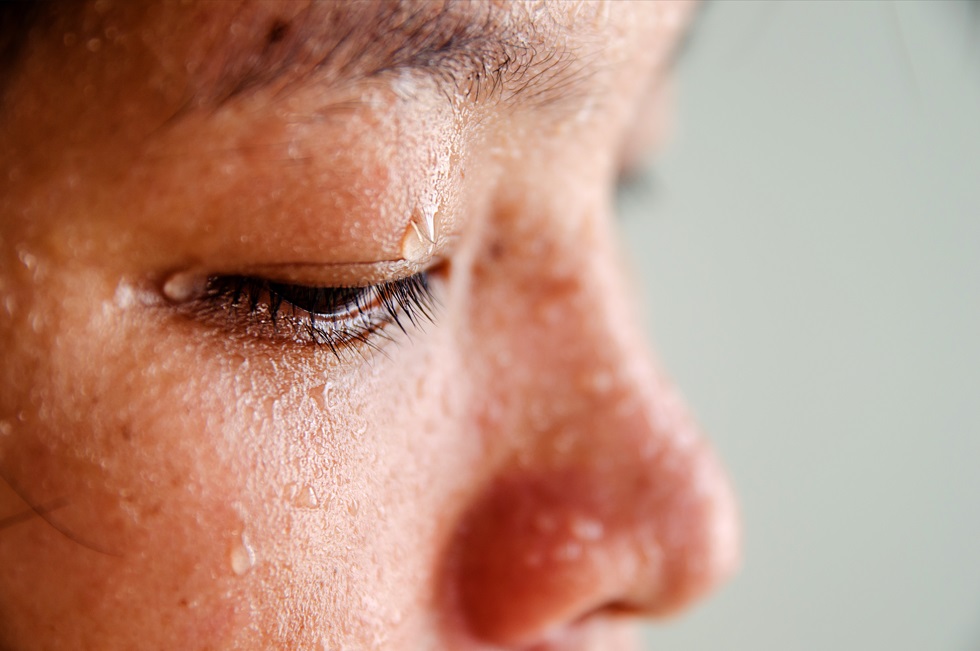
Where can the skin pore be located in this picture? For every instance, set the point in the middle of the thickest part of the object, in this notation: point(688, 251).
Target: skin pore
point(478, 453)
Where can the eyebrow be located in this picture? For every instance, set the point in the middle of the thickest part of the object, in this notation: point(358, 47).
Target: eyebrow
point(474, 51)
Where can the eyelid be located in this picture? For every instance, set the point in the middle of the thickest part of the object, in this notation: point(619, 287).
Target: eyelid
point(359, 274)
point(270, 311)
point(190, 283)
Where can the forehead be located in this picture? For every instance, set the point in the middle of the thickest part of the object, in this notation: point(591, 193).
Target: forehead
point(111, 71)
point(218, 50)
point(153, 58)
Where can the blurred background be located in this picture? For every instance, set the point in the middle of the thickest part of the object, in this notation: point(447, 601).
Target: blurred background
point(809, 246)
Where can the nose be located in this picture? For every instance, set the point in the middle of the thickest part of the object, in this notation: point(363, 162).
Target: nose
point(601, 495)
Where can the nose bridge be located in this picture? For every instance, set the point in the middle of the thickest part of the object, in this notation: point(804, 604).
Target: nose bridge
point(604, 494)
point(567, 354)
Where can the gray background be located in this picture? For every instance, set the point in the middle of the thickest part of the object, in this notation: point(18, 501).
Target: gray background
point(809, 244)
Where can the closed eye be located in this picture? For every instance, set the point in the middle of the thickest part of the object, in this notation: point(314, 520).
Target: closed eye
point(340, 318)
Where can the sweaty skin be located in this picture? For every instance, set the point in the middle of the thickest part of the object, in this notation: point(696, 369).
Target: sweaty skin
point(179, 473)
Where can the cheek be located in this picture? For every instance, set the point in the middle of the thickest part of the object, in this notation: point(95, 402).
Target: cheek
point(132, 535)
point(135, 526)
point(228, 496)
point(348, 497)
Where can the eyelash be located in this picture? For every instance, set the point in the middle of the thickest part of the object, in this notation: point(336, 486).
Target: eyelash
point(340, 318)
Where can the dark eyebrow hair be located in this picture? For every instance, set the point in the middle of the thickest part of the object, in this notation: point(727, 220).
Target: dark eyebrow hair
point(472, 50)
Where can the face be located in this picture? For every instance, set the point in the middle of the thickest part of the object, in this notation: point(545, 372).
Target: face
point(315, 336)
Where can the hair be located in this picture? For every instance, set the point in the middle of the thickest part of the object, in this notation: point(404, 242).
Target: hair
point(17, 19)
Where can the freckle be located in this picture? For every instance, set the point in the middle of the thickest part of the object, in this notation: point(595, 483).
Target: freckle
point(278, 31)
point(496, 250)
point(94, 44)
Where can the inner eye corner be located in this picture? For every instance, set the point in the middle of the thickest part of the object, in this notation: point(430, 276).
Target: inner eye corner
point(184, 286)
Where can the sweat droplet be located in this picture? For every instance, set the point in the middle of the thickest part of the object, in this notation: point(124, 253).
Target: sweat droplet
point(419, 239)
point(587, 529)
point(414, 244)
point(305, 498)
point(318, 395)
point(427, 224)
point(242, 556)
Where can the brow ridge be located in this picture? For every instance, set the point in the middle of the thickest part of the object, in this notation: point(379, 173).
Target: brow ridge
point(469, 49)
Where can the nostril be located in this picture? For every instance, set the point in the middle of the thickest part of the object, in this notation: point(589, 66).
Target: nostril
point(616, 608)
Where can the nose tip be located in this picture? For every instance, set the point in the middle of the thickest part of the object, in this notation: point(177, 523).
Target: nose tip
point(637, 529)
